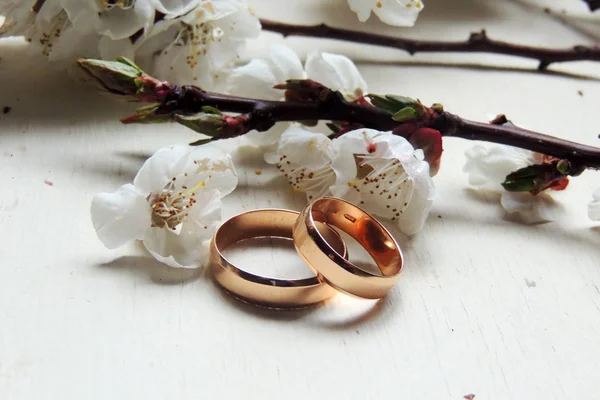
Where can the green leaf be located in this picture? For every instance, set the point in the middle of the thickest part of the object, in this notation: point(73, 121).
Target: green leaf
point(127, 61)
point(147, 108)
point(525, 185)
point(211, 110)
point(117, 77)
point(522, 180)
point(402, 101)
point(200, 142)
point(564, 167)
point(207, 124)
point(405, 114)
point(393, 103)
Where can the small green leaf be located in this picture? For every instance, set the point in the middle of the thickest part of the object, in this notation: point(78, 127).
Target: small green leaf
point(525, 185)
point(116, 77)
point(405, 114)
point(211, 110)
point(437, 107)
point(127, 61)
point(393, 103)
point(523, 180)
point(149, 107)
point(530, 172)
point(207, 124)
point(200, 142)
point(334, 128)
point(402, 101)
point(564, 167)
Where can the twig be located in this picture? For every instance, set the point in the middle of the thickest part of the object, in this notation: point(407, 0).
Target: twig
point(262, 115)
point(593, 4)
point(478, 42)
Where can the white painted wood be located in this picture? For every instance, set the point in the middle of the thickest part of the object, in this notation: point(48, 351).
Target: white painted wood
point(486, 305)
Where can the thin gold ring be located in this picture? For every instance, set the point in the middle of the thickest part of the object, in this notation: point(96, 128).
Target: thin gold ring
point(270, 292)
point(330, 265)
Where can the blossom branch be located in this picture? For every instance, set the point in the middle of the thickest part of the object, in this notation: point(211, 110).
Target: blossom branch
point(593, 4)
point(261, 115)
point(201, 110)
point(478, 42)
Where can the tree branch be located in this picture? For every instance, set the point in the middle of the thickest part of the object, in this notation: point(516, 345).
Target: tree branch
point(262, 115)
point(593, 4)
point(478, 42)
point(310, 101)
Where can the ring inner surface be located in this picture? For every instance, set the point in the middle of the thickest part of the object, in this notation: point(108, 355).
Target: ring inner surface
point(269, 223)
point(369, 233)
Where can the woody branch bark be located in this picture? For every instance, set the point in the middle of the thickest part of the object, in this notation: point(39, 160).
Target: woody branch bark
point(478, 42)
point(317, 103)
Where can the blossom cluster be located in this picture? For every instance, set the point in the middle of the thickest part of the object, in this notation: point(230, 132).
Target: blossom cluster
point(183, 41)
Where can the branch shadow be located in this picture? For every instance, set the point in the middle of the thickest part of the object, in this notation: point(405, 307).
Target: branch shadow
point(157, 272)
point(482, 67)
point(53, 92)
point(492, 198)
point(578, 240)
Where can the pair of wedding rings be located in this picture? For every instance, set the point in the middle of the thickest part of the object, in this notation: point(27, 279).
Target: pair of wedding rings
point(319, 245)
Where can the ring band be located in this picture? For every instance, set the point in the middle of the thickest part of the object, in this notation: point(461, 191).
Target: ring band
point(334, 269)
point(271, 292)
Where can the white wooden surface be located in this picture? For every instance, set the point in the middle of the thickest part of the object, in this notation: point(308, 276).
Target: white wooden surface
point(486, 305)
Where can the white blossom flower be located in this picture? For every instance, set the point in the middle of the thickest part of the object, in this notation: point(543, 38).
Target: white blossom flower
point(181, 40)
point(305, 158)
point(377, 170)
point(196, 47)
point(337, 72)
point(384, 173)
point(488, 167)
point(257, 79)
point(594, 206)
point(173, 205)
point(391, 12)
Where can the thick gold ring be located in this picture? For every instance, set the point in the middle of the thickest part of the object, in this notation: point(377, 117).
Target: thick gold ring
point(270, 292)
point(330, 265)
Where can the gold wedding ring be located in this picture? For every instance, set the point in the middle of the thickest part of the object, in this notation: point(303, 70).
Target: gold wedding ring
point(330, 265)
point(271, 292)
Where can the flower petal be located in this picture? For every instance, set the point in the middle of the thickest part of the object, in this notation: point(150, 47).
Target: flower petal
point(268, 138)
point(488, 166)
point(530, 208)
point(208, 167)
point(336, 72)
point(187, 248)
point(160, 169)
point(118, 23)
point(362, 8)
point(255, 79)
point(594, 206)
point(398, 12)
point(413, 218)
point(285, 63)
point(111, 49)
point(121, 216)
point(308, 149)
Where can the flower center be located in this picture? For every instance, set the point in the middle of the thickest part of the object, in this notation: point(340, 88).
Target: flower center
point(170, 207)
point(387, 184)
